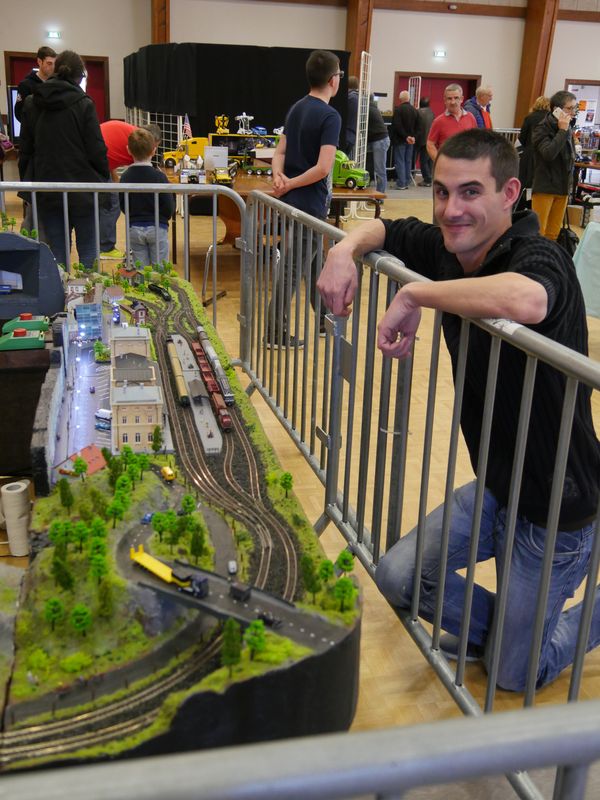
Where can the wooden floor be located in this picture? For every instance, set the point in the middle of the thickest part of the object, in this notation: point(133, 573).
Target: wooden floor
point(397, 687)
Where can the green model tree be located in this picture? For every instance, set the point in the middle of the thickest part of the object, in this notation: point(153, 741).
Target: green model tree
point(159, 524)
point(86, 511)
point(127, 455)
point(98, 566)
point(98, 501)
point(81, 533)
point(231, 649)
point(344, 592)
point(56, 532)
point(254, 637)
point(132, 473)
point(123, 483)
point(286, 482)
point(106, 603)
point(143, 464)
point(62, 575)
point(54, 611)
point(157, 440)
point(197, 542)
point(115, 471)
point(116, 510)
point(345, 562)
point(98, 528)
point(188, 503)
point(66, 495)
point(69, 531)
point(81, 618)
point(147, 274)
point(326, 570)
point(124, 498)
point(107, 455)
point(80, 467)
point(310, 578)
point(97, 547)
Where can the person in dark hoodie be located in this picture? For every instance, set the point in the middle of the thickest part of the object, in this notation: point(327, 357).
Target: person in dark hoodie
point(45, 58)
point(61, 141)
point(484, 262)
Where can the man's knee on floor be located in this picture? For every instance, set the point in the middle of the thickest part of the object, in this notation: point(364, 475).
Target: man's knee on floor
point(393, 581)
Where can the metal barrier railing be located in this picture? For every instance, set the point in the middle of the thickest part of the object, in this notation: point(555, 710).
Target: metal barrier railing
point(359, 445)
point(382, 765)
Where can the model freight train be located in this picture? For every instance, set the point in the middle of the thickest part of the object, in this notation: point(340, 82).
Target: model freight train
point(216, 365)
point(182, 392)
point(213, 388)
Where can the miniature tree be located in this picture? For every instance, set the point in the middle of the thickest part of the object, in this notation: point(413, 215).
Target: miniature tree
point(147, 274)
point(66, 495)
point(344, 592)
point(99, 502)
point(174, 536)
point(188, 503)
point(106, 603)
point(97, 547)
point(115, 471)
point(124, 498)
point(86, 512)
point(159, 524)
point(345, 561)
point(127, 455)
point(123, 483)
point(310, 578)
point(98, 528)
point(157, 440)
point(80, 467)
point(62, 575)
point(98, 566)
point(81, 533)
point(143, 463)
point(197, 542)
point(81, 618)
point(116, 510)
point(254, 637)
point(132, 472)
point(56, 532)
point(69, 533)
point(326, 570)
point(54, 611)
point(286, 482)
point(231, 649)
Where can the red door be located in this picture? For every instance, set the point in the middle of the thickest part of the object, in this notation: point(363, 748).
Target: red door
point(433, 88)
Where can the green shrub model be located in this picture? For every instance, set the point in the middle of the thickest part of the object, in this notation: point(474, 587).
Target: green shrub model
point(346, 173)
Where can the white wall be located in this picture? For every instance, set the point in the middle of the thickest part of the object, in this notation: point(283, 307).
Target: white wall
point(113, 28)
point(574, 54)
point(258, 23)
point(404, 41)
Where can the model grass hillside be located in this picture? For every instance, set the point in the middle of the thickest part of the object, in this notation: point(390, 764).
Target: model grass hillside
point(95, 631)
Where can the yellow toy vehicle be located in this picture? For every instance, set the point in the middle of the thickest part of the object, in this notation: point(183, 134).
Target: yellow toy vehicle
point(168, 474)
point(221, 176)
point(193, 148)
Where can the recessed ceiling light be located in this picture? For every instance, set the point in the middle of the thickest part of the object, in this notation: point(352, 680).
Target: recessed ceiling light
point(439, 54)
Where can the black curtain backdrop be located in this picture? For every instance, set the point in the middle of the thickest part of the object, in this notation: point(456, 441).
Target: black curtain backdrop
point(205, 80)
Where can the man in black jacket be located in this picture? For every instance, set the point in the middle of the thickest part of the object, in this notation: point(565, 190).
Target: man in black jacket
point(45, 67)
point(405, 124)
point(483, 263)
point(553, 158)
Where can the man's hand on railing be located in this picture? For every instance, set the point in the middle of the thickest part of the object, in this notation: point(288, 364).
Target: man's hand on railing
point(398, 327)
point(338, 280)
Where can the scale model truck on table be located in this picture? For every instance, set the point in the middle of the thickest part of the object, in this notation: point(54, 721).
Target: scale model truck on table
point(346, 173)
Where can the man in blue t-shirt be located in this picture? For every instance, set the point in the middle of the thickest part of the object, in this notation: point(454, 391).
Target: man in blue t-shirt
point(305, 154)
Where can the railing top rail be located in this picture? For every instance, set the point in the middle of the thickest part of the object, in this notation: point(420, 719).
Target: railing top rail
point(338, 765)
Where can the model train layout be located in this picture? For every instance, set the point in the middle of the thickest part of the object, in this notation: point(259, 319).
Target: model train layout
point(167, 544)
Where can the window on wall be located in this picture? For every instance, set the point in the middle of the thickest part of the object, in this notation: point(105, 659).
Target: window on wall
point(137, 420)
point(149, 437)
point(124, 420)
point(149, 419)
point(125, 438)
point(138, 438)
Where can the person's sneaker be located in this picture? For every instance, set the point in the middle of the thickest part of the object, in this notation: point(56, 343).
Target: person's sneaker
point(424, 183)
point(449, 645)
point(114, 253)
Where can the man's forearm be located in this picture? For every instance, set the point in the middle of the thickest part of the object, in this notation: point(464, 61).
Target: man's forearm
point(367, 237)
point(431, 150)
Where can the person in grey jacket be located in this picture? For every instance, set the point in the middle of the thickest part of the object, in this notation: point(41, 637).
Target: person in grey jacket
point(554, 155)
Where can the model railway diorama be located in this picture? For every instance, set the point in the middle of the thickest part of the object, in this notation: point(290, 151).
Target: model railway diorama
point(174, 584)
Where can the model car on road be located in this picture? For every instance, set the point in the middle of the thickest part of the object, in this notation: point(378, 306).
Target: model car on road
point(102, 425)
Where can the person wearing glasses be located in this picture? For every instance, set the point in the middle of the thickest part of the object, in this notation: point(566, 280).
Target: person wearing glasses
point(553, 158)
point(304, 158)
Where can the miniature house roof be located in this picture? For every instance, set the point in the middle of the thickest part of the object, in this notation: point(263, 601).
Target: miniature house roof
point(93, 457)
point(122, 395)
point(114, 293)
point(130, 333)
point(133, 368)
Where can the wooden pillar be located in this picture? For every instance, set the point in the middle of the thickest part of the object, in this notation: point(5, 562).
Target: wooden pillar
point(535, 57)
point(161, 18)
point(358, 31)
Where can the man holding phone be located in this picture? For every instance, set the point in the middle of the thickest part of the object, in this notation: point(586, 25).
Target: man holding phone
point(553, 154)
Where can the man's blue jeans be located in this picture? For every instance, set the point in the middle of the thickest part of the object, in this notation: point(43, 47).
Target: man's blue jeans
point(109, 212)
point(379, 150)
point(395, 575)
point(403, 163)
point(84, 225)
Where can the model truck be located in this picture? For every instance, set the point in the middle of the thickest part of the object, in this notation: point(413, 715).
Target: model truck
point(193, 148)
point(346, 173)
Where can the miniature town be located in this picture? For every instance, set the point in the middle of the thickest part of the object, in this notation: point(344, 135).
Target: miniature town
point(172, 574)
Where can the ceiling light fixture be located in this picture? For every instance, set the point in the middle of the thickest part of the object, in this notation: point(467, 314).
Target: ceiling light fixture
point(53, 34)
point(439, 54)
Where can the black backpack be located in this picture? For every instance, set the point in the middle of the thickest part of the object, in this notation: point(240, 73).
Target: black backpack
point(567, 238)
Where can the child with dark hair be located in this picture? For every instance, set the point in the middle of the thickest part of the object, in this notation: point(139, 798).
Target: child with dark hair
point(149, 242)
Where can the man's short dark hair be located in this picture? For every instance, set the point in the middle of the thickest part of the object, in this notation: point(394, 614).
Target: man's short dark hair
point(560, 99)
point(45, 52)
point(69, 66)
point(482, 143)
point(320, 67)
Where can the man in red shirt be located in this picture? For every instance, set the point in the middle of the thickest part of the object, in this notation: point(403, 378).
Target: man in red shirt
point(454, 120)
point(115, 133)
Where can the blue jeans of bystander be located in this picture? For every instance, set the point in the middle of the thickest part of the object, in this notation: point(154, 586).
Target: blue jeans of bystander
point(379, 150)
point(149, 245)
point(395, 577)
point(403, 163)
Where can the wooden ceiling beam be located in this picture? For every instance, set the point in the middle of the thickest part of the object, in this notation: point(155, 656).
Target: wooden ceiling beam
point(359, 18)
point(540, 23)
point(161, 21)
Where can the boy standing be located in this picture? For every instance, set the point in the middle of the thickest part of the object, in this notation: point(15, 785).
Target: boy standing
point(149, 244)
point(305, 154)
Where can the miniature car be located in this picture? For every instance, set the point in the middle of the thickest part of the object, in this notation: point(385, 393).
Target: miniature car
point(92, 389)
point(232, 567)
point(160, 291)
point(259, 130)
point(102, 425)
point(167, 474)
point(269, 619)
point(147, 518)
point(221, 177)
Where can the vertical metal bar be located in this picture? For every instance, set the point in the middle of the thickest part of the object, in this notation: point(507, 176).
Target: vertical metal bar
point(252, 284)
point(215, 212)
point(459, 383)
point(34, 213)
point(156, 225)
point(269, 330)
point(482, 462)
point(571, 782)
point(427, 440)
point(127, 234)
point(335, 413)
point(357, 305)
point(277, 264)
point(365, 434)
point(495, 635)
point(66, 231)
point(327, 366)
point(399, 447)
point(186, 236)
point(97, 229)
point(562, 451)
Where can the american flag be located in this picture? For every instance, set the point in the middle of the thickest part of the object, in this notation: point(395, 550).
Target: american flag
point(187, 128)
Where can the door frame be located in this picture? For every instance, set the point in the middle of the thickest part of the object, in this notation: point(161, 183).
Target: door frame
point(101, 60)
point(449, 76)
